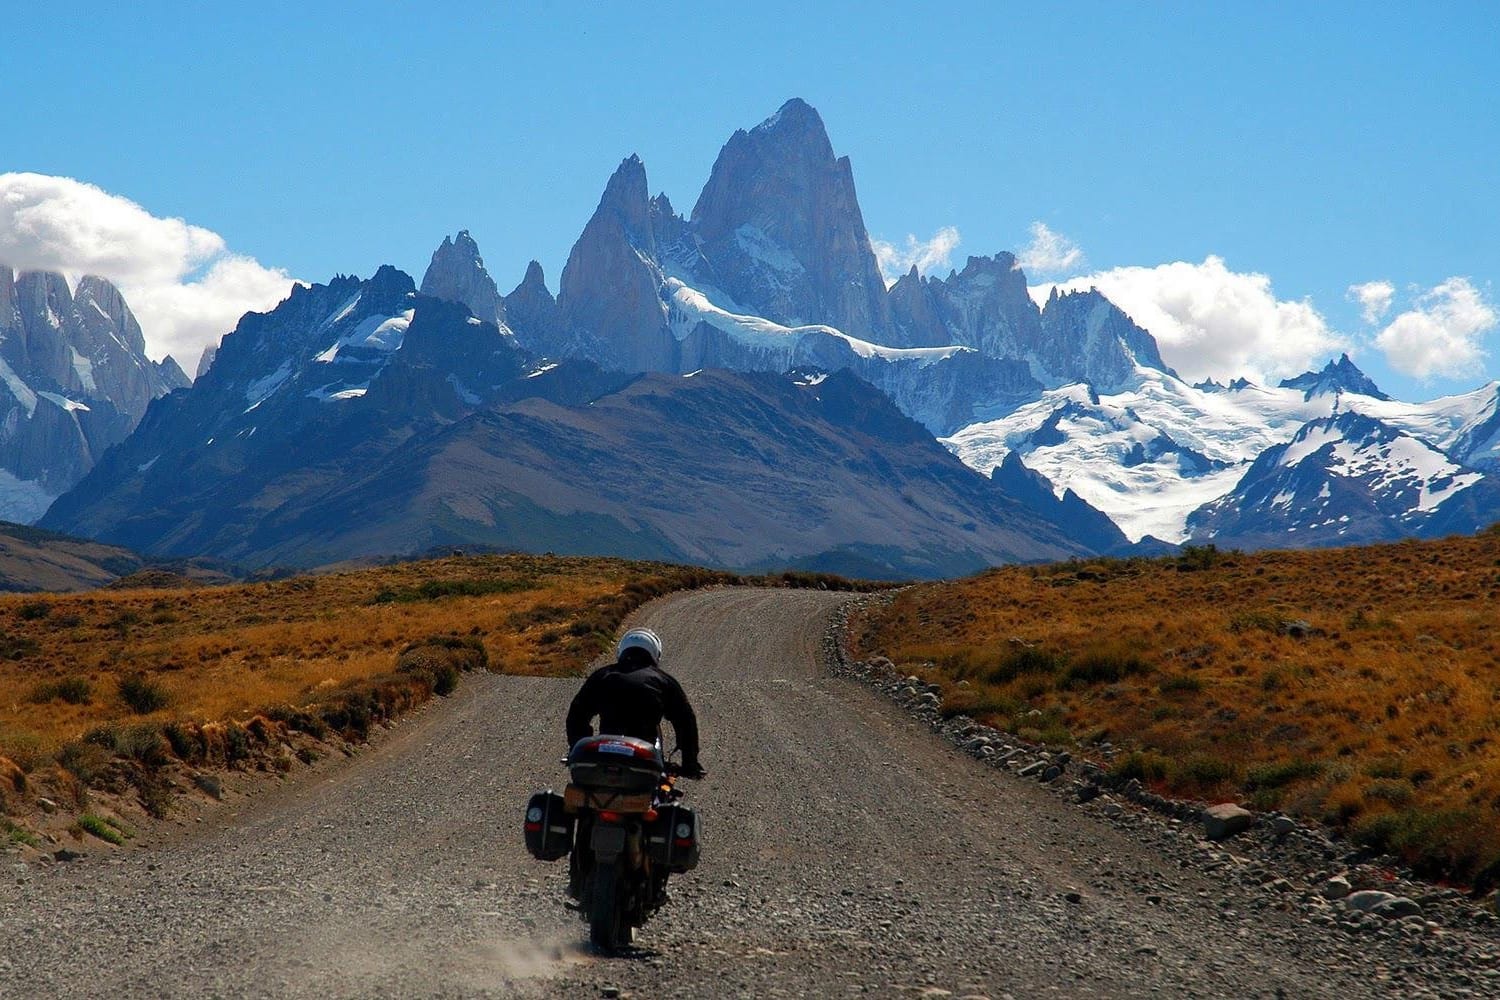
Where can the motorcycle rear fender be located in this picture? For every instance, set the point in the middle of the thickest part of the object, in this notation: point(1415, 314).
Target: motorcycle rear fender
point(608, 842)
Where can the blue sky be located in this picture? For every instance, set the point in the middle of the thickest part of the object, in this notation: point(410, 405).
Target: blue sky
point(1321, 148)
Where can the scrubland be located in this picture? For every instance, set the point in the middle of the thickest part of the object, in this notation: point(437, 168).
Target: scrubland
point(132, 691)
point(1358, 687)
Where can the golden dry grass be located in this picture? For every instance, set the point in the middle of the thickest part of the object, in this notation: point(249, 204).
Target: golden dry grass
point(1357, 686)
point(226, 652)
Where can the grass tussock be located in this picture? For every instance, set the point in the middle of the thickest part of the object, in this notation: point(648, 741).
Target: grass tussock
point(1358, 686)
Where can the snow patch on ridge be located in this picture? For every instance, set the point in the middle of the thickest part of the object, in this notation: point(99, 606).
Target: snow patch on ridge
point(689, 307)
point(70, 405)
point(18, 389)
point(258, 391)
point(84, 369)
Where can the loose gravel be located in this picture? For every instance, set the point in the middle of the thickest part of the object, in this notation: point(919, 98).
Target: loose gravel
point(853, 846)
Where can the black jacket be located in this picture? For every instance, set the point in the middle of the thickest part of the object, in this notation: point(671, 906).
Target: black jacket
point(631, 698)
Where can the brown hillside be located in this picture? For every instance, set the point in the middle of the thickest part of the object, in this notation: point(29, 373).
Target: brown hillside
point(1357, 686)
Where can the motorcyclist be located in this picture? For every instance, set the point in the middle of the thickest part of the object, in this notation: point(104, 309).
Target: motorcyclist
point(631, 697)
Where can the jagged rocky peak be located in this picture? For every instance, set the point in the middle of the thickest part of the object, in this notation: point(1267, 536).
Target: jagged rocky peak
point(94, 291)
point(457, 273)
point(986, 306)
point(1342, 375)
point(533, 315)
point(610, 293)
point(916, 313)
point(172, 373)
point(780, 226)
point(206, 360)
point(1088, 337)
point(77, 381)
point(627, 202)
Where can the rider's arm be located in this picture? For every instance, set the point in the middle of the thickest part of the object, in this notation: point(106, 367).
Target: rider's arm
point(581, 713)
point(679, 713)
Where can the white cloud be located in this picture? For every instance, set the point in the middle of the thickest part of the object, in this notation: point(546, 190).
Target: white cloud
point(1374, 298)
point(182, 282)
point(934, 254)
point(1049, 253)
point(1213, 322)
point(1440, 334)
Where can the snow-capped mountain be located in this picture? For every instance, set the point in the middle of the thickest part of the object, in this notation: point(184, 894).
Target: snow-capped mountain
point(74, 379)
point(1155, 451)
point(1336, 377)
point(1340, 478)
point(774, 270)
point(1063, 404)
point(362, 419)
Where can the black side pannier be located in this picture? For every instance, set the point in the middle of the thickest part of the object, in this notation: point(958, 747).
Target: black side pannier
point(674, 838)
point(549, 828)
point(621, 763)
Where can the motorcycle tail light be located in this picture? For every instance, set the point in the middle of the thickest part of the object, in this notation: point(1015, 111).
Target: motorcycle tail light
point(609, 817)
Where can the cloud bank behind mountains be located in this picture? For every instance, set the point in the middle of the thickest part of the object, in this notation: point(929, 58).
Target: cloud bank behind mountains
point(1441, 334)
point(1213, 322)
point(182, 281)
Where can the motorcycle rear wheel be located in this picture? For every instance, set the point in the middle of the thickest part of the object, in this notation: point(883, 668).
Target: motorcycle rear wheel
point(608, 928)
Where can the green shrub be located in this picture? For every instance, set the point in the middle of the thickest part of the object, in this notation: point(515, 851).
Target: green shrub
point(33, 611)
point(1104, 664)
point(142, 695)
point(15, 835)
point(1437, 844)
point(86, 759)
point(1396, 791)
point(1268, 776)
point(1141, 765)
point(73, 690)
point(1023, 661)
point(440, 659)
point(1181, 684)
point(1198, 557)
point(100, 828)
point(1204, 772)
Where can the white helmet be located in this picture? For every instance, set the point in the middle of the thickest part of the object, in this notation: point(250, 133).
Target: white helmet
point(640, 638)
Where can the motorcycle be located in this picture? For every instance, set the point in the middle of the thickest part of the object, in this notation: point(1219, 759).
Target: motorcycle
point(622, 824)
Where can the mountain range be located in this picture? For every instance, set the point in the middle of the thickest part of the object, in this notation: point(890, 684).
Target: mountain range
point(740, 386)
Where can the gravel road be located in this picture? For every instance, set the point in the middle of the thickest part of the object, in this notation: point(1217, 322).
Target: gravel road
point(847, 851)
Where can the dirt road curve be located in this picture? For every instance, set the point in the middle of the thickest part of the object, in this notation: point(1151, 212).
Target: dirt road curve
point(848, 851)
